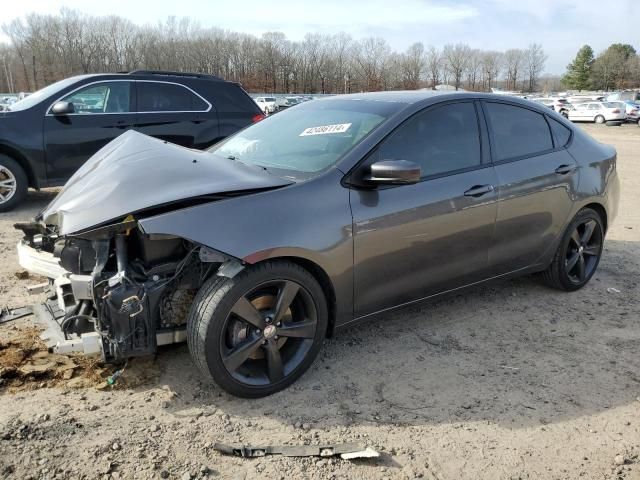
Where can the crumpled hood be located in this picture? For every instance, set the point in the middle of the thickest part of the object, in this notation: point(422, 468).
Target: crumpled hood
point(135, 172)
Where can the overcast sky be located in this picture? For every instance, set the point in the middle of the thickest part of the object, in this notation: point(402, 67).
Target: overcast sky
point(561, 26)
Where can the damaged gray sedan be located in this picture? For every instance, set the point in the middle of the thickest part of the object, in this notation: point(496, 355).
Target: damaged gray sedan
point(331, 213)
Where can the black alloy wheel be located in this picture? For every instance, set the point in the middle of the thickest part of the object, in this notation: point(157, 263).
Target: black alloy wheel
point(258, 332)
point(583, 251)
point(268, 332)
point(578, 254)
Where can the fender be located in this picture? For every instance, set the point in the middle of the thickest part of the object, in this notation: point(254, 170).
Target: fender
point(276, 224)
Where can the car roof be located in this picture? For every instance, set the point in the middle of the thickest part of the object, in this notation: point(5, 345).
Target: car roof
point(409, 97)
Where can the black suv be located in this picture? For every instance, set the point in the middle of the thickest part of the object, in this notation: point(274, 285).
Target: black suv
point(47, 136)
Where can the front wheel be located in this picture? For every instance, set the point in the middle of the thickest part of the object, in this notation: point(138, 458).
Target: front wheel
point(599, 119)
point(256, 333)
point(578, 254)
point(13, 183)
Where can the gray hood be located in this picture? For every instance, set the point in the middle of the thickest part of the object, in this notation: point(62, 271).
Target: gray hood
point(135, 172)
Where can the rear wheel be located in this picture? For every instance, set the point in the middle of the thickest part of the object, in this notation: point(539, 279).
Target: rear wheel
point(578, 254)
point(13, 183)
point(599, 119)
point(258, 332)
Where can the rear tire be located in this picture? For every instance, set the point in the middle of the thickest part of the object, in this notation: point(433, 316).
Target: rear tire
point(599, 119)
point(578, 253)
point(13, 183)
point(240, 336)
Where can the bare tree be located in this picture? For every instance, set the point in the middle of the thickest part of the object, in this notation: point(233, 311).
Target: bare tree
point(514, 59)
point(456, 60)
point(535, 59)
point(434, 66)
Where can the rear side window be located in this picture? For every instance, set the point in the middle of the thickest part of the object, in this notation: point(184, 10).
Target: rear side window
point(441, 140)
point(561, 133)
point(517, 131)
point(230, 98)
point(168, 97)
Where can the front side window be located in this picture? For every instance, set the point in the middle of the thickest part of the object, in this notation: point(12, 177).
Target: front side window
point(105, 97)
point(301, 142)
point(441, 140)
point(168, 97)
point(517, 131)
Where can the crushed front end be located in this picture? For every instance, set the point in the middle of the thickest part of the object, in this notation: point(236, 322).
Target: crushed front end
point(116, 290)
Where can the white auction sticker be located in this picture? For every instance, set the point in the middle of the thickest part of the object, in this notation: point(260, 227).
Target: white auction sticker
point(324, 129)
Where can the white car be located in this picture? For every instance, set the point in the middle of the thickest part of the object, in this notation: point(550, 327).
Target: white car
point(560, 105)
point(598, 112)
point(267, 104)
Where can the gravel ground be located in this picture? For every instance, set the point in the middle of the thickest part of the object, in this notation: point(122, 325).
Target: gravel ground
point(511, 380)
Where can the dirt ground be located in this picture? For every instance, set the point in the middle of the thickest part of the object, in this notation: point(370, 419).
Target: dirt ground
point(507, 381)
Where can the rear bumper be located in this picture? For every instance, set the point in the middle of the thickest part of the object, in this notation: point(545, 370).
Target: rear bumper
point(38, 261)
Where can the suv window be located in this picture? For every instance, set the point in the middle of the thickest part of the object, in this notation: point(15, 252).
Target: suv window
point(517, 131)
point(168, 97)
point(105, 97)
point(561, 133)
point(441, 140)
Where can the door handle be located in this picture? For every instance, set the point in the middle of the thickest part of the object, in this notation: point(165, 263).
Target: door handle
point(564, 169)
point(478, 190)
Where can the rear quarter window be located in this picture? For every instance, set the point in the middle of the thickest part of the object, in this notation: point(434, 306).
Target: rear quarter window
point(561, 134)
point(232, 99)
point(517, 131)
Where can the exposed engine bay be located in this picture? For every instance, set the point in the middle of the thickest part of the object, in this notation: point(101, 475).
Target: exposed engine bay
point(123, 291)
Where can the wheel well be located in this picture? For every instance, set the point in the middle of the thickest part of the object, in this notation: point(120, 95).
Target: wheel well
point(22, 161)
point(325, 282)
point(599, 209)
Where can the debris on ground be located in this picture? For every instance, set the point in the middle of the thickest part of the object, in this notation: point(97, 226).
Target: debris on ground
point(347, 451)
point(22, 275)
point(8, 314)
point(26, 364)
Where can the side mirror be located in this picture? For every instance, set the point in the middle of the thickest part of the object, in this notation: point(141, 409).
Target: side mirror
point(63, 108)
point(394, 172)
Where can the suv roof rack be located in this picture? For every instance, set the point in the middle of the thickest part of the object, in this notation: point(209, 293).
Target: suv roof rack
point(174, 74)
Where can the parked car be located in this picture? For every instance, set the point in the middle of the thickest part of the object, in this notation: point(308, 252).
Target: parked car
point(560, 105)
point(267, 104)
point(287, 102)
point(598, 112)
point(627, 95)
point(633, 111)
point(48, 135)
point(328, 214)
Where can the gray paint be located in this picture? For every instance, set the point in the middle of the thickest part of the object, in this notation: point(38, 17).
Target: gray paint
point(135, 172)
point(389, 247)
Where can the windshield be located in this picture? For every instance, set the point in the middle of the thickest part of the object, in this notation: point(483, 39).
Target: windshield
point(306, 140)
point(41, 94)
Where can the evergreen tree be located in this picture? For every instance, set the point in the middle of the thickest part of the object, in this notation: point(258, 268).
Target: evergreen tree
point(579, 71)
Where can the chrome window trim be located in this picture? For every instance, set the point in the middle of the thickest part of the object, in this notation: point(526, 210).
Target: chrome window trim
point(49, 114)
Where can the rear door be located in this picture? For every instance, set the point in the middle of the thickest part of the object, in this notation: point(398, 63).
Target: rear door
point(537, 181)
point(175, 113)
point(103, 110)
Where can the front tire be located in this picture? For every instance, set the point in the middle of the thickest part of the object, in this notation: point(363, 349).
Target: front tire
point(578, 254)
point(257, 333)
point(13, 183)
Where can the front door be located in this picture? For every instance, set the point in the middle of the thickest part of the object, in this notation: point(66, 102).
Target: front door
point(413, 241)
point(102, 111)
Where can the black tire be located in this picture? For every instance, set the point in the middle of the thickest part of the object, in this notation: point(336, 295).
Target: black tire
point(563, 274)
point(16, 191)
point(212, 328)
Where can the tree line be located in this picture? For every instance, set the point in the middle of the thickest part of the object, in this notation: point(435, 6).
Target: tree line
point(46, 48)
point(617, 67)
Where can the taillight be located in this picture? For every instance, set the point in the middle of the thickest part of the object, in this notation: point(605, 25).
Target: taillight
point(615, 111)
point(256, 118)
